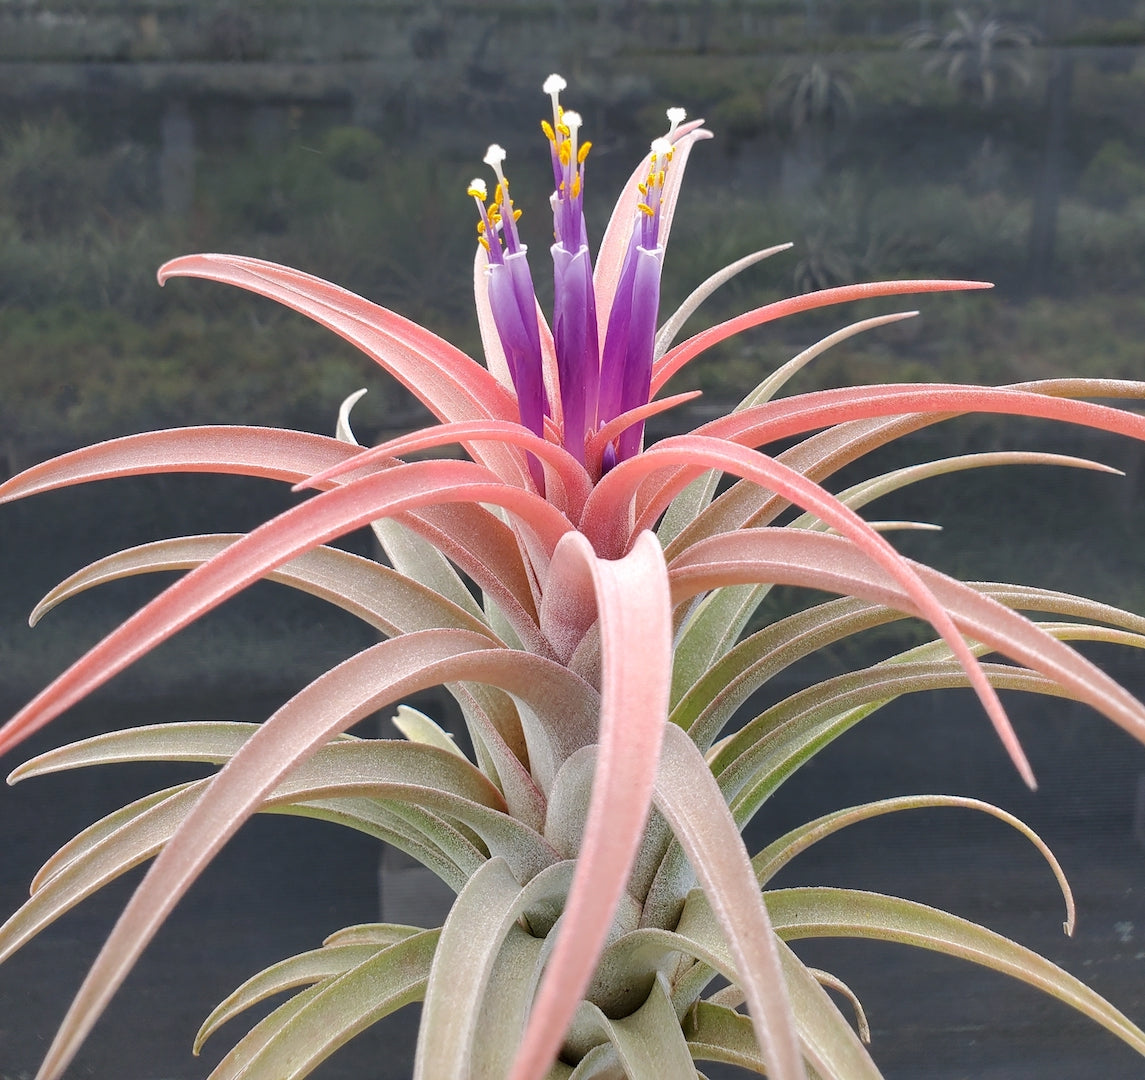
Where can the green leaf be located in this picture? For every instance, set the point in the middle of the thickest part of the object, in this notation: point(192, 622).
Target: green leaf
point(137, 832)
point(212, 742)
point(599, 1061)
point(650, 1043)
point(505, 1005)
point(371, 934)
point(471, 939)
point(750, 767)
point(715, 696)
point(822, 912)
point(687, 795)
point(419, 728)
point(386, 599)
point(829, 1043)
point(301, 1034)
point(875, 488)
point(424, 835)
point(331, 773)
point(780, 852)
point(716, 1033)
point(827, 1040)
point(306, 968)
point(134, 834)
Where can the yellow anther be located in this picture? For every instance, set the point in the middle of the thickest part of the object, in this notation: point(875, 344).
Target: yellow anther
point(576, 185)
point(564, 129)
point(517, 215)
point(475, 193)
point(547, 128)
point(484, 243)
point(563, 153)
point(481, 228)
point(644, 208)
point(643, 188)
point(582, 153)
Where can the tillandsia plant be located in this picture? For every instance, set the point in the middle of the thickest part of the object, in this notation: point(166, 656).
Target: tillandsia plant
point(593, 838)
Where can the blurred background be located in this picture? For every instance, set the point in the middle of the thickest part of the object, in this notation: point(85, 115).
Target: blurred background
point(884, 138)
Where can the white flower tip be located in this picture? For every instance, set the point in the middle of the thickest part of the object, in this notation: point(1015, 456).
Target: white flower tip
point(660, 147)
point(477, 188)
point(677, 116)
point(494, 155)
point(554, 84)
point(571, 119)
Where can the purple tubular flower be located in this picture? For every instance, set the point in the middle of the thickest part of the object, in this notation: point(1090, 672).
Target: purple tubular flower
point(629, 342)
point(595, 385)
point(616, 338)
point(644, 305)
point(626, 365)
point(575, 337)
point(575, 340)
point(512, 301)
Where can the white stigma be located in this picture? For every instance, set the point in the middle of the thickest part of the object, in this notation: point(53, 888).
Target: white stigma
point(676, 117)
point(477, 186)
point(660, 147)
point(553, 86)
point(493, 158)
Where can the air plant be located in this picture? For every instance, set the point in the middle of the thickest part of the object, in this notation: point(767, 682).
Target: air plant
point(593, 837)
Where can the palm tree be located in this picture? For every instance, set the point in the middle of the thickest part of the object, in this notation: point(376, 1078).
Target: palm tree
point(814, 101)
point(978, 53)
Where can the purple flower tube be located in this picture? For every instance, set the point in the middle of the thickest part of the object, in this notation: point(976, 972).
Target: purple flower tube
point(575, 339)
point(512, 301)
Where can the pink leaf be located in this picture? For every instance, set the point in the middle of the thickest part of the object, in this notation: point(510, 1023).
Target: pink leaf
point(273, 453)
point(482, 545)
point(608, 432)
point(835, 564)
point(607, 511)
point(451, 384)
point(636, 646)
point(331, 514)
point(567, 475)
point(673, 360)
point(822, 408)
point(787, 417)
